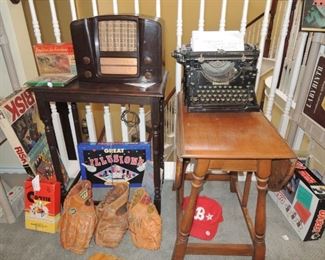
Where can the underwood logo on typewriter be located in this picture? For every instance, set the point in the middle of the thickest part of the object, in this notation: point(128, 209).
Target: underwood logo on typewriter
point(219, 81)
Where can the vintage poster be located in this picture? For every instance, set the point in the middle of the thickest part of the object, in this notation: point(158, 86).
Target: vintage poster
point(313, 16)
point(106, 163)
point(315, 101)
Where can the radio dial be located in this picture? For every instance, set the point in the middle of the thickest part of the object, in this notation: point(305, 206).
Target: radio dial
point(86, 60)
point(88, 74)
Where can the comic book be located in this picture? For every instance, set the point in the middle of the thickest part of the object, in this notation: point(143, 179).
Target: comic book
point(20, 123)
point(108, 163)
point(55, 58)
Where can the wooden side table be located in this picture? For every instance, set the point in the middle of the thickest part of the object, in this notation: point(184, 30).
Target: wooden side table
point(231, 142)
point(109, 94)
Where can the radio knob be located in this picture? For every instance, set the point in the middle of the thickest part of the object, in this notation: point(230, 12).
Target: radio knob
point(88, 74)
point(86, 60)
point(147, 60)
point(148, 75)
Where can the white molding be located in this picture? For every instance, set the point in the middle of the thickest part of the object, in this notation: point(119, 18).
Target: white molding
point(170, 168)
point(19, 41)
point(12, 170)
point(280, 97)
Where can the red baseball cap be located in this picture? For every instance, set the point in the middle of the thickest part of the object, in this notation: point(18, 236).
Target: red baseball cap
point(208, 215)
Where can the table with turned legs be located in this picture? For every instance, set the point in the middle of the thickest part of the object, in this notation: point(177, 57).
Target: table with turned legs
point(232, 143)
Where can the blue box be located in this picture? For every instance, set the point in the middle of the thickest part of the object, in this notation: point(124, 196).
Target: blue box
point(107, 163)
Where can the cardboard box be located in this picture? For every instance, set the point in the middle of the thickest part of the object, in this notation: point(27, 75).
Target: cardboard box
point(49, 224)
point(16, 200)
point(302, 202)
point(42, 208)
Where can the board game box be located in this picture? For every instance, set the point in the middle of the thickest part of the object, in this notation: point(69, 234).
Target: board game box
point(20, 123)
point(55, 58)
point(107, 163)
point(302, 202)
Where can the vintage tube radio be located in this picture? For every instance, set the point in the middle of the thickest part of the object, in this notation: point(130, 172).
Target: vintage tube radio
point(118, 49)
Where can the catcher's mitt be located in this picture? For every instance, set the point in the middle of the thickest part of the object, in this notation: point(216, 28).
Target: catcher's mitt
point(78, 220)
point(112, 216)
point(281, 173)
point(144, 221)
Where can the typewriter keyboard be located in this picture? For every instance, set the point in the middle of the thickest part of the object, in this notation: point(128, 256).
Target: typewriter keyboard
point(223, 98)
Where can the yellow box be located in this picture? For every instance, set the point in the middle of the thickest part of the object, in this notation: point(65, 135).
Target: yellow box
point(47, 223)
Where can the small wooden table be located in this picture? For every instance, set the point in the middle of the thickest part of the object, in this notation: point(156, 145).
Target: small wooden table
point(232, 142)
point(106, 93)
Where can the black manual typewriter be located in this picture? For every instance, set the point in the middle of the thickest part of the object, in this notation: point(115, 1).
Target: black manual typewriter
point(219, 81)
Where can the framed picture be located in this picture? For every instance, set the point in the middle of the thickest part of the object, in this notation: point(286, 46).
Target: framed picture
point(107, 163)
point(313, 16)
point(312, 118)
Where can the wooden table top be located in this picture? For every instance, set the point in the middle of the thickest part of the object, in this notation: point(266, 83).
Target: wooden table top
point(89, 91)
point(240, 135)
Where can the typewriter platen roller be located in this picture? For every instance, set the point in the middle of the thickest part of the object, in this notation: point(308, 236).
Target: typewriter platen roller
point(219, 81)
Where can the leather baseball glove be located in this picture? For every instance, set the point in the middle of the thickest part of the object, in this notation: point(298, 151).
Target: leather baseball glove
point(144, 221)
point(112, 216)
point(78, 220)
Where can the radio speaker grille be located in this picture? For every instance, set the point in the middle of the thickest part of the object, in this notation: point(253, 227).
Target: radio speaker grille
point(118, 35)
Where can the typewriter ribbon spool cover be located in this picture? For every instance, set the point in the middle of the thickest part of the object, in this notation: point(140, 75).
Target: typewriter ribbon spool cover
point(219, 80)
point(118, 48)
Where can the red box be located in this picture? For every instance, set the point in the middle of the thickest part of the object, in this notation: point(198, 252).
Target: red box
point(49, 197)
point(42, 208)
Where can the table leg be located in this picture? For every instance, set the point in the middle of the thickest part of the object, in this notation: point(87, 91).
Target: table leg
point(157, 147)
point(233, 181)
point(45, 115)
point(181, 166)
point(262, 175)
point(187, 218)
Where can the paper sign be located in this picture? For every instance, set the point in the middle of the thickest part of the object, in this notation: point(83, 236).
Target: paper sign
point(217, 40)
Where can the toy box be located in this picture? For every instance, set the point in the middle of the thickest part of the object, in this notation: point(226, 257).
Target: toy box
point(302, 202)
point(42, 208)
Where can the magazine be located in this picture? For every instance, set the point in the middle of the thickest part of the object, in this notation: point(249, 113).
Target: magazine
point(108, 163)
